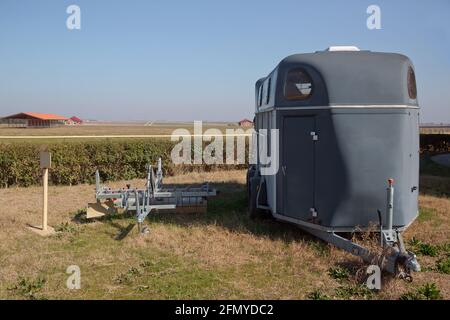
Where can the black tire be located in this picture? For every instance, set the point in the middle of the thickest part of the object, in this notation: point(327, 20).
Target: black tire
point(250, 174)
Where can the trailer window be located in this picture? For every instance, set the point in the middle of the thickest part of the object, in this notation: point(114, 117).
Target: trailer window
point(412, 89)
point(260, 95)
point(298, 85)
point(265, 92)
point(268, 91)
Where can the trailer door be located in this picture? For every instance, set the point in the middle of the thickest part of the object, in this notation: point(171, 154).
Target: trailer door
point(298, 166)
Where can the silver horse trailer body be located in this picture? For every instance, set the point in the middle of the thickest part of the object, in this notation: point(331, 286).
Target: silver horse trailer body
point(347, 124)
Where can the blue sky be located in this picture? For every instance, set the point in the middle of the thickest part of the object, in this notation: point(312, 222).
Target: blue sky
point(197, 60)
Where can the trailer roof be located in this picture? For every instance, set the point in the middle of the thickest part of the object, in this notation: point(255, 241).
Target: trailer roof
point(349, 78)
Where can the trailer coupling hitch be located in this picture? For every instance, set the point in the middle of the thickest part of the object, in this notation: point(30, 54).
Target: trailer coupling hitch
point(406, 264)
point(403, 261)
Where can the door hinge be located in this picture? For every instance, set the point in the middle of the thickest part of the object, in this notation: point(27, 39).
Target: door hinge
point(314, 136)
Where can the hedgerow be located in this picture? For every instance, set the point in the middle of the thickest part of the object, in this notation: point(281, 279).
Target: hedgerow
point(75, 162)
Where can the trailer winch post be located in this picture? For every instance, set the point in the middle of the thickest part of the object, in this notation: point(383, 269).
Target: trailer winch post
point(388, 234)
point(390, 204)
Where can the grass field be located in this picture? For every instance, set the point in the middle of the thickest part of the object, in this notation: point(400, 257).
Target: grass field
point(130, 128)
point(105, 129)
point(221, 254)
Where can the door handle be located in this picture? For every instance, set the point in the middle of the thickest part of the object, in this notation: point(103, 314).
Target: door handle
point(283, 168)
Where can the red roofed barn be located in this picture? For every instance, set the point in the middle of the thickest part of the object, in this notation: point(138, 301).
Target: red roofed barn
point(76, 120)
point(33, 120)
point(245, 123)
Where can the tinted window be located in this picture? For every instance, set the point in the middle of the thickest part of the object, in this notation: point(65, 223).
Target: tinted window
point(265, 92)
point(412, 89)
point(260, 94)
point(298, 86)
point(268, 91)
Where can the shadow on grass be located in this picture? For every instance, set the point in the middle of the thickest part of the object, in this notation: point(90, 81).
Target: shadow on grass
point(229, 210)
point(434, 178)
point(80, 218)
point(123, 231)
point(431, 168)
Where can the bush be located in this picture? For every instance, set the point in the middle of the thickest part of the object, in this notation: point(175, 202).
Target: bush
point(424, 248)
point(318, 295)
point(355, 291)
point(434, 143)
point(338, 273)
point(443, 265)
point(75, 162)
point(428, 291)
point(28, 287)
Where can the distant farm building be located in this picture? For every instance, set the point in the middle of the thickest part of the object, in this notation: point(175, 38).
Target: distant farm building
point(33, 120)
point(75, 120)
point(245, 123)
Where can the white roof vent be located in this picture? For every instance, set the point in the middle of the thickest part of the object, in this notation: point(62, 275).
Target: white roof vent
point(343, 48)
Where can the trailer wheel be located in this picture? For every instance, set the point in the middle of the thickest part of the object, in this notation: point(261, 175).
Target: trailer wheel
point(250, 174)
point(253, 211)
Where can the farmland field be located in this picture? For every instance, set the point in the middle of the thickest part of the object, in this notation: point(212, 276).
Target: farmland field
point(221, 254)
point(435, 130)
point(139, 128)
point(113, 128)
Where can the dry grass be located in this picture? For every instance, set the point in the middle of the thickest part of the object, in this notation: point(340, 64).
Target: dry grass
point(221, 254)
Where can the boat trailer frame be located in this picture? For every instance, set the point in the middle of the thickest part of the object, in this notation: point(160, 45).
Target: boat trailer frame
point(144, 201)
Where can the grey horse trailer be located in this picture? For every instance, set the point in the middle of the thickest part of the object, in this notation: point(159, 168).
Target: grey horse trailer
point(346, 122)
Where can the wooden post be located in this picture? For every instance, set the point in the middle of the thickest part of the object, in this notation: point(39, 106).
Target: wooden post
point(46, 163)
point(45, 206)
